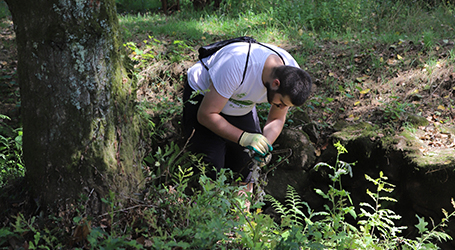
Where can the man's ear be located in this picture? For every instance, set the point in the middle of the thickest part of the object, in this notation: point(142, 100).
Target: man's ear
point(275, 84)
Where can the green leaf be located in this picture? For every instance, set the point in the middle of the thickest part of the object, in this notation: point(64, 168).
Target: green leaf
point(422, 225)
point(321, 193)
point(4, 235)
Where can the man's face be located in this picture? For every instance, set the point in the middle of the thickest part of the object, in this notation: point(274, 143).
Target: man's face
point(277, 99)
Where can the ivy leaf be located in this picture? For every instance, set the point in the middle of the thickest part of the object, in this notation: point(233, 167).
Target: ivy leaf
point(422, 226)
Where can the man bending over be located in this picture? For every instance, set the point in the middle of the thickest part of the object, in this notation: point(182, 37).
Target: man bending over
point(224, 120)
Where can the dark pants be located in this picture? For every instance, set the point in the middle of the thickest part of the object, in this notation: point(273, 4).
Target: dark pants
point(219, 152)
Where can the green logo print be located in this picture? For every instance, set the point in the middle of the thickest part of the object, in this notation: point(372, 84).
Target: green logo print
point(240, 103)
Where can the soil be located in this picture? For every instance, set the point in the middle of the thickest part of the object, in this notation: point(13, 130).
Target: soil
point(381, 84)
point(378, 83)
point(384, 85)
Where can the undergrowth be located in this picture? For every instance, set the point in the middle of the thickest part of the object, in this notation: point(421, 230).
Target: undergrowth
point(173, 213)
point(181, 208)
point(11, 164)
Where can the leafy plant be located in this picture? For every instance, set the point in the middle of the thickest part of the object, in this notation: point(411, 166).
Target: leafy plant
point(99, 239)
point(380, 219)
point(145, 52)
point(11, 164)
point(257, 232)
point(169, 163)
point(203, 220)
point(292, 213)
point(179, 51)
point(395, 109)
point(159, 115)
point(336, 194)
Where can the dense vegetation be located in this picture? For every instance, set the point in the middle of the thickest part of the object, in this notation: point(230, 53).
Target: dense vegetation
point(351, 48)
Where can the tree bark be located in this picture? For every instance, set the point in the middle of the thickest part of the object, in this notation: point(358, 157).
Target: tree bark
point(81, 131)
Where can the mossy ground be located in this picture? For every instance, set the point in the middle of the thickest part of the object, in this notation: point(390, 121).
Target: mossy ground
point(391, 93)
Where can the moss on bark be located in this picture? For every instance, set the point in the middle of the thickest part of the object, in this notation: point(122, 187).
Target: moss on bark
point(81, 131)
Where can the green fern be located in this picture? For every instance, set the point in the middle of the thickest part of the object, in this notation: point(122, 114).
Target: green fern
point(166, 165)
point(380, 219)
point(295, 203)
point(280, 208)
point(427, 236)
point(292, 211)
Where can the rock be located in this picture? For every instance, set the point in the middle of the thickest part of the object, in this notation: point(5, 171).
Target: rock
point(295, 171)
point(429, 148)
point(419, 160)
point(417, 120)
point(361, 138)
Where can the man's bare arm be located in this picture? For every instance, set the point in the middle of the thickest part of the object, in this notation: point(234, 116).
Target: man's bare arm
point(275, 122)
point(209, 116)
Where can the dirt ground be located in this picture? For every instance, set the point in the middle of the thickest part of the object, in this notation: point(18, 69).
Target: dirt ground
point(389, 86)
point(385, 85)
point(377, 83)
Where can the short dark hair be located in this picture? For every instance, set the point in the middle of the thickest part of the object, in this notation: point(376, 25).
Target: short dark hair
point(294, 82)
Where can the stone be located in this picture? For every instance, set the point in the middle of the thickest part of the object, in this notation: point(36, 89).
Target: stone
point(295, 171)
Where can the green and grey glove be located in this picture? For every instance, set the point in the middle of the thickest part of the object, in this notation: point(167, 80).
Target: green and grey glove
point(256, 142)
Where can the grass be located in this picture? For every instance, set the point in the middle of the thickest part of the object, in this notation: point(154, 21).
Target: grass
point(4, 12)
point(284, 23)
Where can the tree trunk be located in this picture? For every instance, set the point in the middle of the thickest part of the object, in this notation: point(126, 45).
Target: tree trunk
point(81, 132)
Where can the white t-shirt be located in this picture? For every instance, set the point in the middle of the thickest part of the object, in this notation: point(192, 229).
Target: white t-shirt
point(226, 69)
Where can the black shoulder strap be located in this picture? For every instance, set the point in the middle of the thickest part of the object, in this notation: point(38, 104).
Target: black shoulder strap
point(210, 49)
point(247, 56)
point(273, 51)
point(246, 64)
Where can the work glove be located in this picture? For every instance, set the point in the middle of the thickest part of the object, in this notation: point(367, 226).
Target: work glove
point(260, 161)
point(256, 142)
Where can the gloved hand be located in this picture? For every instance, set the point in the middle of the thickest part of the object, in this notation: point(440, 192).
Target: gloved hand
point(256, 142)
point(261, 161)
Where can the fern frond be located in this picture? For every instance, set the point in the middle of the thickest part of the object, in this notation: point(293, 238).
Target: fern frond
point(276, 205)
point(440, 236)
point(385, 198)
point(295, 203)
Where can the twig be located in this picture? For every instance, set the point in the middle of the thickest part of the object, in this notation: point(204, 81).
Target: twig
point(244, 215)
point(281, 162)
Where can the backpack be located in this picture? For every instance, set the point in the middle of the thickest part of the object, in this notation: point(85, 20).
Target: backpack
point(208, 50)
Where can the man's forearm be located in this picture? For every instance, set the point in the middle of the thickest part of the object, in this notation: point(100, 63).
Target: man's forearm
point(209, 116)
point(273, 129)
point(218, 125)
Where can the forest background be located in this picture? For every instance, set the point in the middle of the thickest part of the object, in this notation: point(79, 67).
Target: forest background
point(357, 52)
